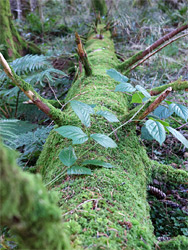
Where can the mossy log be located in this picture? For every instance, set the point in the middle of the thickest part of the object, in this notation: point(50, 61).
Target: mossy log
point(109, 209)
point(27, 208)
point(12, 45)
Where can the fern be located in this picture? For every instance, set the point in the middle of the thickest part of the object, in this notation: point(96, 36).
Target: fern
point(48, 74)
point(7, 130)
point(28, 63)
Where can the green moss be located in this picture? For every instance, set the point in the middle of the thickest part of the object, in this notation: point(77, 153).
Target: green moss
point(14, 43)
point(28, 209)
point(168, 173)
point(109, 209)
point(178, 243)
point(100, 6)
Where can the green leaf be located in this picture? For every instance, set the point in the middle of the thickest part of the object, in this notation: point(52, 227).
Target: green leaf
point(104, 140)
point(162, 112)
point(178, 136)
point(68, 156)
point(79, 170)
point(108, 115)
point(83, 111)
point(97, 163)
point(156, 130)
point(124, 87)
point(145, 134)
point(72, 132)
point(180, 110)
point(143, 91)
point(165, 124)
point(137, 98)
point(117, 76)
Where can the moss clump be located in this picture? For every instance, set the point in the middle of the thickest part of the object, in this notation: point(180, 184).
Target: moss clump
point(178, 243)
point(28, 209)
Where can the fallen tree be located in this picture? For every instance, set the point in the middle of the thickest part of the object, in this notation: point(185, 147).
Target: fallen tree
point(109, 209)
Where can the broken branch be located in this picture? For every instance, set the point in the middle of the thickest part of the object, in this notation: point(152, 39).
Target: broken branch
point(141, 54)
point(41, 103)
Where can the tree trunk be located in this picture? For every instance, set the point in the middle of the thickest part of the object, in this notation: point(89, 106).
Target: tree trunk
point(12, 44)
point(109, 209)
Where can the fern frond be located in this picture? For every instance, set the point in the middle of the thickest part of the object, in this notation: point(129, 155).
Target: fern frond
point(50, 74)
point(28, 63)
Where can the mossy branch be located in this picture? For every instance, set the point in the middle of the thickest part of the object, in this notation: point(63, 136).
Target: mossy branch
point(176, 86)
point(141, 54)
point(41, 103)
point(27, 208)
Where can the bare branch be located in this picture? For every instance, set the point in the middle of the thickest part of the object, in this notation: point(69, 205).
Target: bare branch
point(140, 55)
point(156, 51)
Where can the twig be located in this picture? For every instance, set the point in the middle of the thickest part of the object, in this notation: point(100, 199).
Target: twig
point(156, 51)
point(155, 104)
point(140, 55)
point(54, 94)
point(41, 103)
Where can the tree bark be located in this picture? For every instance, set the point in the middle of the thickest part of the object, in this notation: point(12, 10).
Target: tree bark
point(13, 45)
point(109, 209)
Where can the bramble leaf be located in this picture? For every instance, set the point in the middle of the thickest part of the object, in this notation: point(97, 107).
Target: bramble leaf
point(108, 115)
point(156, 130)
point(72, 132)
point(104, 140)
point(68, 156)
point(97, 163)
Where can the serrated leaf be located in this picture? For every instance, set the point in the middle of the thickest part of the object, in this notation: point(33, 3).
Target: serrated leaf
point(68, 156)
point(156, 130)
point(178, 136)
point(143, 91)
point(163, 122)
point(137, 98)
point(77, 170)
point(83, 111)
point(162, 112)
point(108, 115)
point(97, 163)
point(180, 110)
point(124, 87)
point(72, 132)
point(145, 134)
point(117, 76)
point(104, 140)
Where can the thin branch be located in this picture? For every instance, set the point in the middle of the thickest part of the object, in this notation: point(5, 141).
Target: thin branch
point(156, 51)
point(140, 55)
point(41, 103)
point(155, 104)
point(176, 86)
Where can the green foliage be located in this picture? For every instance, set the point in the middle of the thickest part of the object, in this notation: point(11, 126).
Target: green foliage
point(153, 128)
point(104, 140)
point(83, 111)
point(156, 130)
point(74, 133)
point(67, 155)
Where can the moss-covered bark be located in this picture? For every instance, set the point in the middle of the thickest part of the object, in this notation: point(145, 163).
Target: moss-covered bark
point(12, 45)
point(28, 209)
point(109, 209)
